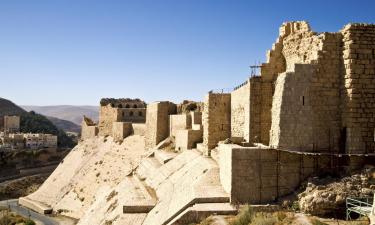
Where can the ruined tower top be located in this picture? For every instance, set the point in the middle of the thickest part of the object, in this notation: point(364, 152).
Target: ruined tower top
point(294, 27)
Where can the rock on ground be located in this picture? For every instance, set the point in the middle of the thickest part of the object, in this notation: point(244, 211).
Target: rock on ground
point(327, 196)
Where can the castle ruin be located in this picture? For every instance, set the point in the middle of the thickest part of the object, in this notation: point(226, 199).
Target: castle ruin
point(309, 110)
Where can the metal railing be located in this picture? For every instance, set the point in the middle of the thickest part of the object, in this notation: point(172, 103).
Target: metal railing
point(361, 206)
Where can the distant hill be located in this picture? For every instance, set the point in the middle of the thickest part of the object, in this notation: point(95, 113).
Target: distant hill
point(65, 125)
point(70, 113)
point(9, 108)
point(34, 122)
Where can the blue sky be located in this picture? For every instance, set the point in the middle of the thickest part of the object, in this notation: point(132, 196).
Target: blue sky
point(76, 52)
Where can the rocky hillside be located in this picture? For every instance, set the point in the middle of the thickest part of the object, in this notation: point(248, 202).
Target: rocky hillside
point(70, 113)
point(33, 122)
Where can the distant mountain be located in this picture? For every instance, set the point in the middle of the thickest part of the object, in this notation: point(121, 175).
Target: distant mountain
point(70, 113)
point(65, 125)
point(34, 122)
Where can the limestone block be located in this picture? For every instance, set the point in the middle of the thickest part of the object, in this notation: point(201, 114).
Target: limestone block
point(121, 130)
point(187, 139)
point(179, 122)
point(157, 122)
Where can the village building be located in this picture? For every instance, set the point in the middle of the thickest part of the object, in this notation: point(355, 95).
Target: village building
point(11, 124)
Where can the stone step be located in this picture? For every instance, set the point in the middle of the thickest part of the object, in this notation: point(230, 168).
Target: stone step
point(200, 211)
point(34, 205)
point(215, 198)
point(146, 166)
point(201, 148)
point(145, 201)
point(163, 157)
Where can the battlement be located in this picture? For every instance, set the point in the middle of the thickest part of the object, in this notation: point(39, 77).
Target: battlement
point(123, 103)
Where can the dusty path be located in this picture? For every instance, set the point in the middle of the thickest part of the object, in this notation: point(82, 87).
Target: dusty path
point(38, 218)
point(218, 220)
point(301, 219)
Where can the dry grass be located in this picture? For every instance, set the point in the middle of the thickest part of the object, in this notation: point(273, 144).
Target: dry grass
point(248, 217)
point(9, 218)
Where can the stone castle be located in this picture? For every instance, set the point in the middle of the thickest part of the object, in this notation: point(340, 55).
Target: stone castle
point(315, 93)
point(310, 110)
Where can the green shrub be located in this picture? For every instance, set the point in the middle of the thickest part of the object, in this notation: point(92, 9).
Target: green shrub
point(295, 206)
point(29, 222)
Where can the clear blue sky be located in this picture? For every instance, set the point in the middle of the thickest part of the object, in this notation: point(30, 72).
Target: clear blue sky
point(76, 52)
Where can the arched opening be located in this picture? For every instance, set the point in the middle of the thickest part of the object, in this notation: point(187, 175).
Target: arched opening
point(135, 106)
point(112, 105)
point(119, 106)
point(131, 113)
point(123, 114)
point(127, 106)
point(140, 114)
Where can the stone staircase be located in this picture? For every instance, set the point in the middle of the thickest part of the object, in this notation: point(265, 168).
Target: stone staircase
point(177, 188)
point(200, 211)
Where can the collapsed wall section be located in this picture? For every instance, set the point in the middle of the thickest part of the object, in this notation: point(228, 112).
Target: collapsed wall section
point(297, 44)
point(88, 128)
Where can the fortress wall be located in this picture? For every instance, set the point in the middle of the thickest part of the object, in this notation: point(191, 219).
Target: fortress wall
point(216, 119)
point(179, 122)
point(297, 44)
point(88, 131)
point(157, 122)
point(187, 139)
point(291, 112)
point(139, 129)
point(121, 130)
point(196, 117)
point(240, 112)
point(325, 93)
point(257, 175)
point(134, 115)
point(255, 110)
point(107, 116)
point(358, 87)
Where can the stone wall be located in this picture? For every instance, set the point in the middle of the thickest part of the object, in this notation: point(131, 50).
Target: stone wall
point(121, 130)
point(358, 88)
point(179, 122)
point(240, 112)
point(216, 119)
point(88, 131)
point(292, 119)
point(120, 110)
point(139, 129)
point(134, 115)
point(298, 44)
point(107, 115)
point(157, 122)
point(188, 139)
point(255, 131)
point(258, 175)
